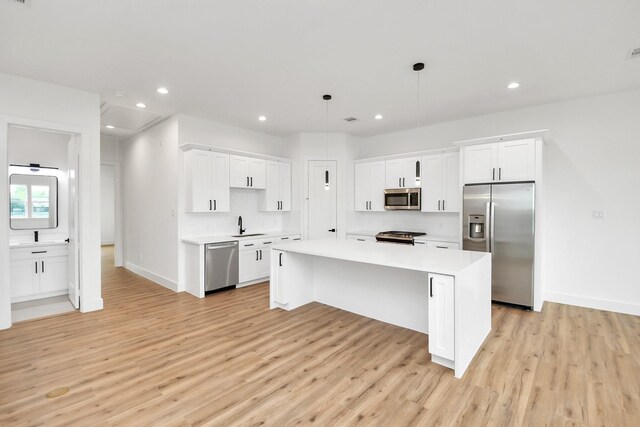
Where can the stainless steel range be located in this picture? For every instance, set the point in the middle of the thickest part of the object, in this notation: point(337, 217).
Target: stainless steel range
point(402, 237)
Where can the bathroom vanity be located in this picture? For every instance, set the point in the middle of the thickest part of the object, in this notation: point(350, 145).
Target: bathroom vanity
point(38, 270)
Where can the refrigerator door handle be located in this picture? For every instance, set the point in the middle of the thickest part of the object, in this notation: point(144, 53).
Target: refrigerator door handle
point(493, 226)
point(488, 241)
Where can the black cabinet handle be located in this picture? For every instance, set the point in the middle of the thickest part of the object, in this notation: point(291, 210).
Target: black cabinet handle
point(247, 181)
point(438, 204)
point(36, 267)
point(431, 287)
point(284, 238)
point(248, 244)
point(256, 255)
point(215, 205)
point(404, 184)
point(39, 252)
point(251, 181)
point(494, 174)
point(442, 247)
point(499, 174)
point(399, 182)
point(43, 266)
point(280, 259)
point(260, 253)
point(443, 206)
point(210, 205)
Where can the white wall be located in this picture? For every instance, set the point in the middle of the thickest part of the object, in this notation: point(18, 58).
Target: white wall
point(32, 103)
point(109, 148)
point(592, 163)
point(149, 163)
point(107, 204)
point(47, 149)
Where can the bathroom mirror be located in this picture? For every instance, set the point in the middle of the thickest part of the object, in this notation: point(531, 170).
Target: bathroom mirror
point(33, 202)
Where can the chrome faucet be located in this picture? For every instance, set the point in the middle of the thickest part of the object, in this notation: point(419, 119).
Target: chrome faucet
point(242, 230)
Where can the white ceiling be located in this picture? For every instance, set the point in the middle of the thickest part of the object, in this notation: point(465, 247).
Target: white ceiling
point(231, 61)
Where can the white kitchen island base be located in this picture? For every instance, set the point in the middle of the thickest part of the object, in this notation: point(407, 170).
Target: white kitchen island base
point(443, 293)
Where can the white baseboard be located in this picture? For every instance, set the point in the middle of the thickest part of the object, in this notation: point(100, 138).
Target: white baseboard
point(597, 303)
point(156, 278)
point(93, 305)
point(252, 282)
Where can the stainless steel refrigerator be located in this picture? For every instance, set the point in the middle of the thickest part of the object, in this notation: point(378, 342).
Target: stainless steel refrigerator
point(500, 218)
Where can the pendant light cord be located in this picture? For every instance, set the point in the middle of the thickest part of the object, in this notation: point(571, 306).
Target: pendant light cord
point(326, 130)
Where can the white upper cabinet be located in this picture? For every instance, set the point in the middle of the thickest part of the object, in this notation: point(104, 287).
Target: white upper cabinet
point(369, 186)
point(480, 163)
point(277, 196)
point(516, 160)
point(207, 181)
point(403, 173)
point(500, 161)
point(441, 183)
point(248, 172)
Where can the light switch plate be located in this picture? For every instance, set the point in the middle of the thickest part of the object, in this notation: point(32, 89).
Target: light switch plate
point(598, 214)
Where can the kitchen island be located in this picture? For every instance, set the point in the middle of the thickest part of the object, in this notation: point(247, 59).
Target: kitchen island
point(443, 293)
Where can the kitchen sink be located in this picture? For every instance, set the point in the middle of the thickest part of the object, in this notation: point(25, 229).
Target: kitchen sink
point(248, 235)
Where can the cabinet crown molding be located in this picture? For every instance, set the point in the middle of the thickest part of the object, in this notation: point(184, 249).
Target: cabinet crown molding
point(544, 134)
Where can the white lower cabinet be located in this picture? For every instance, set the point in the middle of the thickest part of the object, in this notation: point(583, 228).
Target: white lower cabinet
point(279, 277)
point(361, 238)
point(38, 272)
point(441, 316)
point(255, 257)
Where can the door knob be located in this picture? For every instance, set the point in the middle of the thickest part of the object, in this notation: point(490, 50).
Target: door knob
point(333, 230)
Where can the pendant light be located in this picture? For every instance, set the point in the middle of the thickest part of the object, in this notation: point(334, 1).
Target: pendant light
point(327, 98)
point(417, 67)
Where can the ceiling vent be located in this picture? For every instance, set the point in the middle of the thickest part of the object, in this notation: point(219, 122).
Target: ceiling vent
point(634, 53)
point(26, 3)
point(350, 119)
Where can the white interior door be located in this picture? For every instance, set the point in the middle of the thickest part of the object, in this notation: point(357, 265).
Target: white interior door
point(74, 232)
point(322, 203)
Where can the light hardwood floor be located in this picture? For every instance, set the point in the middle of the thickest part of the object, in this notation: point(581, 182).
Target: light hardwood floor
point(153, 357)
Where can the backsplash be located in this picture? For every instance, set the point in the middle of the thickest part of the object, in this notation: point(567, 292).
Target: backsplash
point(440, 224)
point(244, 202)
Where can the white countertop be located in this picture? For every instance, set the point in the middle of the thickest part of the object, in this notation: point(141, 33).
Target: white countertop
point(203, 240)
point(430, 260)
point(431, 237)
point(36, 244)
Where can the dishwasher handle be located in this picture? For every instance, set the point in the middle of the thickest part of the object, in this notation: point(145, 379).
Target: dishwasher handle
point(225, 245)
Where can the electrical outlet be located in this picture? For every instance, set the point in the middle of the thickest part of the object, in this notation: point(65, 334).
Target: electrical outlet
point(598, 214)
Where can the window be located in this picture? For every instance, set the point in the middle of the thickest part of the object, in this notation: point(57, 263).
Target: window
point(39, 201)
point(19, 198)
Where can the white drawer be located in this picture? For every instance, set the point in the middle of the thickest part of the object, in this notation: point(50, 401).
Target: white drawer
point(39, 252)
point(361, 238)
point(443, 245)
point(289, 238)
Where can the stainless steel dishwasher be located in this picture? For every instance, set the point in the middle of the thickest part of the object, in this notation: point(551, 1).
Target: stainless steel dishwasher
point(220, 265)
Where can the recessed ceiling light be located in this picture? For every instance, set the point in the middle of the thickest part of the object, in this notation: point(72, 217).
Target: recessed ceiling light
point(110, 126)
point(378, 117)
point(262, 118)
point(141, 105)
point(162, 90)
point(120, 95)
point(513, 85)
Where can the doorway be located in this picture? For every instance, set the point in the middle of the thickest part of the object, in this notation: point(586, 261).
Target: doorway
point(322, 204)
point(43, 231)
point(110, 210)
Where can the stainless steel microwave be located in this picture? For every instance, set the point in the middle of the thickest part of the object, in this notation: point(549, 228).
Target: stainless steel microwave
point(402, 199)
